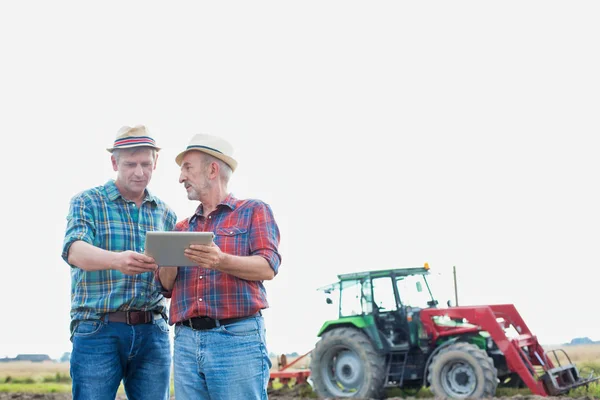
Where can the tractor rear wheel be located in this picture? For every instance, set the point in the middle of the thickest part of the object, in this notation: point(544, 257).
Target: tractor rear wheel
point(462, 370)
point(344, 363)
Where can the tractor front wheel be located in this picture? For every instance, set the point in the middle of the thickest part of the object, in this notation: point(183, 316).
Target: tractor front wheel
point(345, 364)
point(462, 370)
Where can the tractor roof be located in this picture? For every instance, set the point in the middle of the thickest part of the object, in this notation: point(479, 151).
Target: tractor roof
point(356, 276)
point(385, 272)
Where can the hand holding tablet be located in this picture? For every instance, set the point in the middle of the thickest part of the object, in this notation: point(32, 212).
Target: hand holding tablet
point(167, 248)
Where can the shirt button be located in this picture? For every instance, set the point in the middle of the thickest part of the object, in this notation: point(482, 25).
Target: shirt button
point(199, 299)
point(200, 277)
point(210, 216)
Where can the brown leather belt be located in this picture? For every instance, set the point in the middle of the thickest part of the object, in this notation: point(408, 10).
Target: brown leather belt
point(131, 317)
point(204, 323)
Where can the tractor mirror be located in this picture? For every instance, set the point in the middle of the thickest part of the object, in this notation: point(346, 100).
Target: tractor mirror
point(419, 287)
point(328, 301)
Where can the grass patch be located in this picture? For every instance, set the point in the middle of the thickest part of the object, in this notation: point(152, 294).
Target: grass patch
point(58, 378)
point(397, 392)
point(587, 367)
point(300, 390)
point(20, 379)
point(35, 387)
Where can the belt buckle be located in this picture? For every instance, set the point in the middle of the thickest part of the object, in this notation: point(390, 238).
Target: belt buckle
point(132, 321)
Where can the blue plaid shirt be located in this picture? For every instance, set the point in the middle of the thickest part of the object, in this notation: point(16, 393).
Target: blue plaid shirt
point(103, 218)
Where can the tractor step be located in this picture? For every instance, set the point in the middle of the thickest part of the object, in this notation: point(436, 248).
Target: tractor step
point(395, 368)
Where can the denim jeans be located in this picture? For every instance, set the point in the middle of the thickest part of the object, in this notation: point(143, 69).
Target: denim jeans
point(225, 363)
point(104, 353)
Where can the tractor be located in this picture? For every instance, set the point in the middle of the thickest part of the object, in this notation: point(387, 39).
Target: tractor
point(391, 333)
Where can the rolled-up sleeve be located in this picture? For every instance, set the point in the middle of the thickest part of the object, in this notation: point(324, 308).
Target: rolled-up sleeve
point(264, 236)
point(166, 293)
point(80, 225)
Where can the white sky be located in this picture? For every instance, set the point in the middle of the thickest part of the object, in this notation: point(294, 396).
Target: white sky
point(383, 134)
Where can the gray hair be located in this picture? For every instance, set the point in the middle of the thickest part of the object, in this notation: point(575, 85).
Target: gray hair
point(224, 169)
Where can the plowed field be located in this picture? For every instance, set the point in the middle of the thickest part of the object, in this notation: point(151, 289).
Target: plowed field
point(276, 395)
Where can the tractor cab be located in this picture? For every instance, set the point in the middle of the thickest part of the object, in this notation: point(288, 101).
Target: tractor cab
point(385, 302)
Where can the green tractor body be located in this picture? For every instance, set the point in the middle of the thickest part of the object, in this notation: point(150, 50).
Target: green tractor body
point(391, 333)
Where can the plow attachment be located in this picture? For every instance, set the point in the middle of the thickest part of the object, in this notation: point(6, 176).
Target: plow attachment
point(285, 374)
point(543, 375)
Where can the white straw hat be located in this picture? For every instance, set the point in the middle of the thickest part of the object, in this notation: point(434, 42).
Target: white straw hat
point(213, 145)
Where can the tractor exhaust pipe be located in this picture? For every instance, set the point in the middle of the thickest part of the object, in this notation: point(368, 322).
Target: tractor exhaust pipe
point(455, 286)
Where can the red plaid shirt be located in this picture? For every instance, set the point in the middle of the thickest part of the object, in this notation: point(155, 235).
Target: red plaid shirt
point(242, 228)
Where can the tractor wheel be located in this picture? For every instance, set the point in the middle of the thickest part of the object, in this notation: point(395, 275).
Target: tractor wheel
point(462, 370)
point(345, 364)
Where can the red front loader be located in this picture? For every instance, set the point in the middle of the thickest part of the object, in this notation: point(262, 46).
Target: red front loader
point(521, 357)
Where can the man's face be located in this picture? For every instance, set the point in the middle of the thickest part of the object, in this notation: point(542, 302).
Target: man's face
point(134, 169)
point(194, 175)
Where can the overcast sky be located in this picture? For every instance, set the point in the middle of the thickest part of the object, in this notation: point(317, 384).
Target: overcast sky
point(383, 135)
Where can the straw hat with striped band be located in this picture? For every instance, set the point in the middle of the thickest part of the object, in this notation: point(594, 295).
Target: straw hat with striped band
point(137, 136)
point(213, 145)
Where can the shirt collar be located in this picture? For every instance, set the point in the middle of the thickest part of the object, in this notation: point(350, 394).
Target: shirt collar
point(229, 202)
point(113, 192)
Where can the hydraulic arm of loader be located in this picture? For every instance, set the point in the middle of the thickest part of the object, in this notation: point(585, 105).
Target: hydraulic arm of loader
point(521, 352)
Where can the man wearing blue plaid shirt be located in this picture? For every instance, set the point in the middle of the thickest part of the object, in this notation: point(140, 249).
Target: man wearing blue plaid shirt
point(118, 314)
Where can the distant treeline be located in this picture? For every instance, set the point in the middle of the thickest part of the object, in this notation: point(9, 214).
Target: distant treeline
point(582, 340)
point(28, 357)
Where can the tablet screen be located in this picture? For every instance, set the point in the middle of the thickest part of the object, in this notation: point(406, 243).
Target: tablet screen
point(167, 248)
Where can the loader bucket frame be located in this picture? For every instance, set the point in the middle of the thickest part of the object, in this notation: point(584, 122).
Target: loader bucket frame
point(522, 353)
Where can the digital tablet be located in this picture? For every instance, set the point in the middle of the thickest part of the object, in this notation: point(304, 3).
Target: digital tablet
point(167, 248)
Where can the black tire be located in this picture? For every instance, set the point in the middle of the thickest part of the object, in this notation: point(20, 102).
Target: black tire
point(345, 364)
point(462, 370)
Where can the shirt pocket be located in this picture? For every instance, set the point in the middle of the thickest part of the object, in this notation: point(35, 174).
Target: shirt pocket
point(233, 240)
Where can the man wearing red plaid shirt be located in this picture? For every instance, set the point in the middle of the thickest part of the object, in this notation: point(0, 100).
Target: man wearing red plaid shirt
point(220, 350)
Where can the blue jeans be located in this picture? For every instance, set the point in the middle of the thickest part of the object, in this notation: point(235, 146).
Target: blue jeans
point(104, 353)
point(225, 363)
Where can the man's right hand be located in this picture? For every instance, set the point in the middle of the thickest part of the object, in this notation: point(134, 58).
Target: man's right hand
point(132, 263)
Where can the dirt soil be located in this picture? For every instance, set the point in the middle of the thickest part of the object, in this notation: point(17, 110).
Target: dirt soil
point(289, 394)
point(42, 396)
